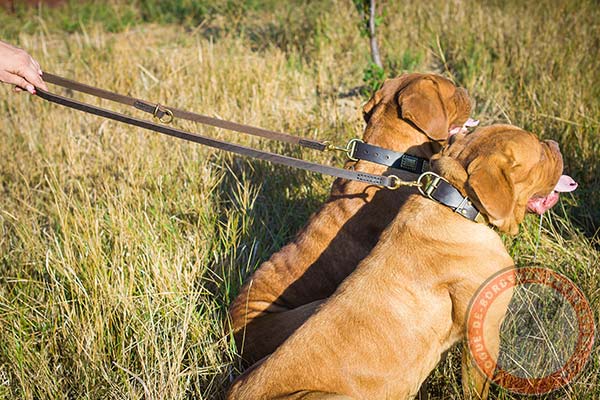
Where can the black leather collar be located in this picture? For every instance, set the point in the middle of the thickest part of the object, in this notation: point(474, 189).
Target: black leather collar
point(394, 159)
point(439, 189)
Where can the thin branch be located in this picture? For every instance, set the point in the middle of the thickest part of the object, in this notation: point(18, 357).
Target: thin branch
point(372, 37)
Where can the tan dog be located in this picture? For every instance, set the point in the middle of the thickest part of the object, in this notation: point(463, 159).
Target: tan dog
point(413, 114)
point(384, 329)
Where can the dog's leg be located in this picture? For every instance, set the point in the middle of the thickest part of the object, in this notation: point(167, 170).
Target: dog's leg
point(476, 384)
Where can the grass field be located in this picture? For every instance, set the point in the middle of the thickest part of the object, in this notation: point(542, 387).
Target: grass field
point(120, 249)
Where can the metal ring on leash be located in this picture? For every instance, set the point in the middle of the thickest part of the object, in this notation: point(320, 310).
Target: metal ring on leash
point(350, 148)
point(166, 112)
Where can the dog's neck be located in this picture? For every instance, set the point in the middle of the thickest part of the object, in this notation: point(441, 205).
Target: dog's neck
point(422, 215)
point(398, 136)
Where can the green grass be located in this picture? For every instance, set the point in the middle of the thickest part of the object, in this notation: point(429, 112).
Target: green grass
point(120, 249)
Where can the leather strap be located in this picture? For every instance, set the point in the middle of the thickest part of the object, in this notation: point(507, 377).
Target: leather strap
point(387, 181)
point(440, 190)
point(362, 151)
point(390, 158)
point(449, 196)
point(161, 111)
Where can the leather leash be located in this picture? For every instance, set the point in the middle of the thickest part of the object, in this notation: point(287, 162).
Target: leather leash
point(355, 149)
point(430, 184)
point(166, 115)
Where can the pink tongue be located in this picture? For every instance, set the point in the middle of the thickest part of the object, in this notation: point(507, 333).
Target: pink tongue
point(565, 184)
point(471, 123)
point(539, 205)
point(460, 129)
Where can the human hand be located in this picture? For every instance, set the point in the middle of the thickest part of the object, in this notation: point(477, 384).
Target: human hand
point(18, 68)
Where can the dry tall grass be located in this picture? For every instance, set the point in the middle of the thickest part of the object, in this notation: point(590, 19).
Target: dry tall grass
point(120, 249)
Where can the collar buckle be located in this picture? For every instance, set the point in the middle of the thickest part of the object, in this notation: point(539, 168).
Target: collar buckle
point(428, 183)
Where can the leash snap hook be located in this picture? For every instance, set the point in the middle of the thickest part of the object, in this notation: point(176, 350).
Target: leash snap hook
point(167, 116)
point(349, 149)
point(332, 147)
point(397, 183)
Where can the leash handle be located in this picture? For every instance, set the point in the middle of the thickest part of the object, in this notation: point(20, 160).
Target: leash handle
point(390, 182)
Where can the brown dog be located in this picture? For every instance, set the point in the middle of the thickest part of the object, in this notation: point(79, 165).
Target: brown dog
point(384, 329)
point(413, 114)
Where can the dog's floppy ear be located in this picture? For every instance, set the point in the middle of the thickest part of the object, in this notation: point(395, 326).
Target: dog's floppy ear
point(490, 187)
point(421, 104)
point(370, 105)
point(386, 93)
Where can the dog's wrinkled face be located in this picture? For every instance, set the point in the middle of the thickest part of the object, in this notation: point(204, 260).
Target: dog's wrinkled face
point(431, 103)
point(505, 171)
